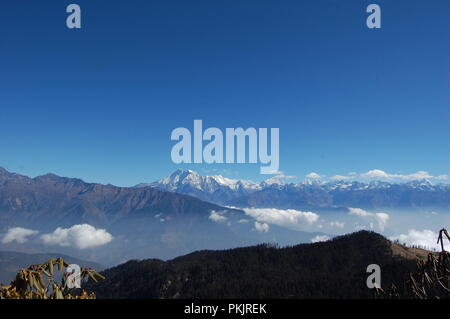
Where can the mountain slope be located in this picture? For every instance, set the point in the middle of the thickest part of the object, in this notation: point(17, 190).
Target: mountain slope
point(54, 200)
point(333, 269)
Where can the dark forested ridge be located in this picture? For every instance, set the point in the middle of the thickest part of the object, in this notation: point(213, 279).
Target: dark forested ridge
point(333, 269)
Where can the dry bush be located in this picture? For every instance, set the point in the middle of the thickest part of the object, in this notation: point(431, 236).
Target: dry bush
point(431, 280)
point(39, 282)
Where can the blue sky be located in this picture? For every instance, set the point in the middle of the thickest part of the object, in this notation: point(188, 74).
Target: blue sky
point(100, 103)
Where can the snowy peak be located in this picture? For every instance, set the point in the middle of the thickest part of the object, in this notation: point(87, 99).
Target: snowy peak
point(273, 181)
point(188, 178)
point(421, 183)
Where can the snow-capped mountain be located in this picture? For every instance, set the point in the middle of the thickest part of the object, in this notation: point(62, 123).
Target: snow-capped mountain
point(216, 189)
point(210, 184)
point(308, 194)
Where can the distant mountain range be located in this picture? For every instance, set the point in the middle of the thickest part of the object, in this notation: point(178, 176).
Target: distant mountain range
point(332, 269)
point(144, 221)
point(186, 211)
point(309, 194)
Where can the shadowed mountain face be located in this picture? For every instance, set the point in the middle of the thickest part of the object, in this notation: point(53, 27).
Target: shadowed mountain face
point(64, 201)
point(275, 193)
point(333, 269)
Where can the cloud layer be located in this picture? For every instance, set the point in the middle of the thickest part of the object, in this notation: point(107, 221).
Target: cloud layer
point(337, 224)
point(380, 218)
point(18, 234)
point(262, 227)
point(320, 238)
point(424, 238)
point(80, 236)
point(217, 217)
point(289, 218)
point(378, 174)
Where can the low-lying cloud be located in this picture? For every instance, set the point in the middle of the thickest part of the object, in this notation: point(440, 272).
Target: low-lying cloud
point(289, 218)
point(320, 238)
point(217, 217)
point(424, 238)
point(262, 227)
point(380, 218)
point(337, 224)
point(80, 236)
point(378, 174)
point(18, 234)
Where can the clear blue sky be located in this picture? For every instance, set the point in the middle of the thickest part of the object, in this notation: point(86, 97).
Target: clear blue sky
point(100, 103)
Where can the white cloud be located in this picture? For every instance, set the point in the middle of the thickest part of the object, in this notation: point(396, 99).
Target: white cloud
point(289, 218)
point(358, 226)
point(79, 236)
point(380, 218)
point(358, 212)
point(425, 238)
point(378, 174)
point(418, 175)
point(337, 224)
point(18, 234)
point(279, 178)
point(262, 227)
point(281, 174)
point(217, 217)
point(313, 175)
point(320, 238)
point(340, 177)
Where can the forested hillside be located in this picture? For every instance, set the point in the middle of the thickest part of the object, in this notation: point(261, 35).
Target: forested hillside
point(333, 269)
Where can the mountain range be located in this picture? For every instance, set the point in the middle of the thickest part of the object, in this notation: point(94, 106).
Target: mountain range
point(306, 195)
point(62, 201)
point(143, 221)
point(187, 211)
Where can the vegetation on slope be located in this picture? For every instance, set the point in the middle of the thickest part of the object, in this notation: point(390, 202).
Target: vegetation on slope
point(333, 269)
point(39, 282)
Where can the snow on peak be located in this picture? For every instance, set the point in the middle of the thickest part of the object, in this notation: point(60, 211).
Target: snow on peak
point(188, 178)
point(206, 183)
